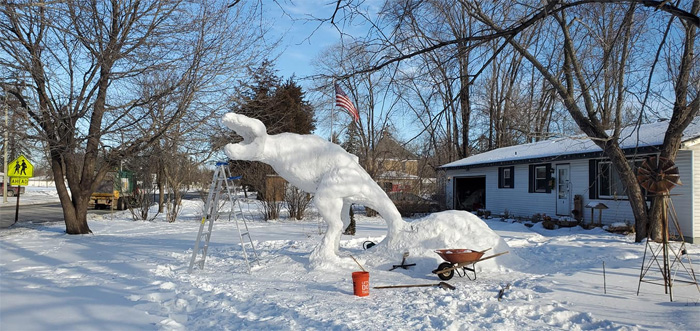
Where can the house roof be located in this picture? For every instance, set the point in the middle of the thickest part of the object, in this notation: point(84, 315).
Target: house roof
point(644, 140)
point(396, 175)
point(388, 148)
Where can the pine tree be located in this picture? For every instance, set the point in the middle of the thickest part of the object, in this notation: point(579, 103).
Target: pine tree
point(352, 142)
point(280, 105)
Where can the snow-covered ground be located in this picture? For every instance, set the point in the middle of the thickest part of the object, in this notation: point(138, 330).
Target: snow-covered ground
point(32, 195)
point(132, 275)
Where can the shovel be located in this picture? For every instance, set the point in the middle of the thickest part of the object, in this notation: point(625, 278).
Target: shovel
point(440, 285)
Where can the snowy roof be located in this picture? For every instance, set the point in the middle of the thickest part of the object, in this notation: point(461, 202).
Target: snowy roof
point(648, 135)
point(396, 175)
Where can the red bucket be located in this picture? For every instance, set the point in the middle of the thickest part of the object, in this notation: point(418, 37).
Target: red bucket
point(360, 283)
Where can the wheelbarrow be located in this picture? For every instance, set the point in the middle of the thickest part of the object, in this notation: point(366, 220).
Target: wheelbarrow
point(463, 259)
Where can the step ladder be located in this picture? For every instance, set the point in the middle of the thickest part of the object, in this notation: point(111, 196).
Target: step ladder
point(222, 184)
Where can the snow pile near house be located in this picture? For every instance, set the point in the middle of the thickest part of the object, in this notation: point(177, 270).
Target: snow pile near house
point(444, 230)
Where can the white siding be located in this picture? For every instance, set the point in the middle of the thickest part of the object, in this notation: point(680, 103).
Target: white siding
point(696, 195)
point(519, 202)
point(619, 209)
point(682, 196)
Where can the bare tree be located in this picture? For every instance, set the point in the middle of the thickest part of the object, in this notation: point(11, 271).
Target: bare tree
point(365, 91)
point(593, 90)
point(16, 130)
point(415, 25)
point(97, 70)
point(178, 171)
point(591, 76)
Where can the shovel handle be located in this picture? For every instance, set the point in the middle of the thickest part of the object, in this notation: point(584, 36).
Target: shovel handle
point(400, 286)
point(441, 284)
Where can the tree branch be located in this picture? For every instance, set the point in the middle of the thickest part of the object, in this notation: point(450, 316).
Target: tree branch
point(552, 7)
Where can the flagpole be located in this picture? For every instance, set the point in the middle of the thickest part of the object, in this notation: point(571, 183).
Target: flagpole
point(332, 108)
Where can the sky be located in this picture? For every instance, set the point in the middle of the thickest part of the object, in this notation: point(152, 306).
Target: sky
point(303, 38)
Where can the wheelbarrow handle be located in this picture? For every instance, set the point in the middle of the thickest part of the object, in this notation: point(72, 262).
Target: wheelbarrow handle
point(492, 256)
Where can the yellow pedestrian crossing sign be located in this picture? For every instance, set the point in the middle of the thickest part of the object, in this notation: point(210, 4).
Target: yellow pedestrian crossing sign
point(19, 181)
point(21, 167)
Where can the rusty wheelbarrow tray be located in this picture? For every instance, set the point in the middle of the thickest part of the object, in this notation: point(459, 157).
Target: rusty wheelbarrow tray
point(463, 259)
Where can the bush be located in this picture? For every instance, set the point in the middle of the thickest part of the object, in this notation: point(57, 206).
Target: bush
point(297, 202)
point(409, 204)
point(270, 207)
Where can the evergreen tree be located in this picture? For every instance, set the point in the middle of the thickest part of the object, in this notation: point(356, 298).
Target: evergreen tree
point(293, 112)
point(352, 142)
point(280, 105)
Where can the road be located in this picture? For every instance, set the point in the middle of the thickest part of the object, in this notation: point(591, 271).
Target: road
point(37, 213)
point(51, 212)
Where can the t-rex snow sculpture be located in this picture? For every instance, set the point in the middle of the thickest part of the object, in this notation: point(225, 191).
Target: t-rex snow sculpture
point(317, 166)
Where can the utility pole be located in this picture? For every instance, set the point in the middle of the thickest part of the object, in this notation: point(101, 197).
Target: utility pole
point(5, 178)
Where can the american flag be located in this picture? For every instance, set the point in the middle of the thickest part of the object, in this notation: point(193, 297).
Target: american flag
point(342, 101)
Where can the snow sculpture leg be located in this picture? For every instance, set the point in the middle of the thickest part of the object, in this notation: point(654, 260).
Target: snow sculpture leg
point(315, 165)
point(327, 251)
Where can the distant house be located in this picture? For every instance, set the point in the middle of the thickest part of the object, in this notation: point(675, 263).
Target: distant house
point(564, 177)
point(397, 168)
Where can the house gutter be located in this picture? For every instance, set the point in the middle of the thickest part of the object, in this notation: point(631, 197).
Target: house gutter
point(552, 158)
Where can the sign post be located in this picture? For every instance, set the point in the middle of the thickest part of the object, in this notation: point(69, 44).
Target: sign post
point(20, 171)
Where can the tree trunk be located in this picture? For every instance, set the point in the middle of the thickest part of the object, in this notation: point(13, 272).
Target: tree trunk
point(161, 193)
point(76, 223)
point(629, 180)
point(464, 99)
point(75, 208)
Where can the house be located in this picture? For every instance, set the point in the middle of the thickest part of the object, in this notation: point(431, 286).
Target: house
point(397, 168)
point(565, 177)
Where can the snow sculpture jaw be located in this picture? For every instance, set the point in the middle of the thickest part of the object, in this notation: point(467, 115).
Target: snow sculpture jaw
point(315, 165)
point(254, 135)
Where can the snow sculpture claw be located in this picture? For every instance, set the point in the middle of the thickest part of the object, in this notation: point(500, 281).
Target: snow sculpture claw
point(317, 166)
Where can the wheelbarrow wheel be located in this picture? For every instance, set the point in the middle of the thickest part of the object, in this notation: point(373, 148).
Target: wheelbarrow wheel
point(445, 275)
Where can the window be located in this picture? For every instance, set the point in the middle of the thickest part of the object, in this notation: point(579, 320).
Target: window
point(605, 182)
point(387, 186)
point(505, 177)
point(609, 183)
point(540, 177)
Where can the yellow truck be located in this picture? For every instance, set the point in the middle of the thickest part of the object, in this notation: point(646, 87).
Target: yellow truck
point(113, 191)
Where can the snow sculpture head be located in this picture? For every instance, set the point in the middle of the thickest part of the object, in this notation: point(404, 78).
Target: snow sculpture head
point(317, 166)
point(254, 135)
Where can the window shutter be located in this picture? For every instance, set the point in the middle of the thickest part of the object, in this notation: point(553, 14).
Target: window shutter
point(511, 180)
point(548, 169)
point(500, 177)
point(592, 169)
point(531, 178)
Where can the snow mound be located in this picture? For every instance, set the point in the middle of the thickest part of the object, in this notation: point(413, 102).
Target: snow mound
point(443, 230)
